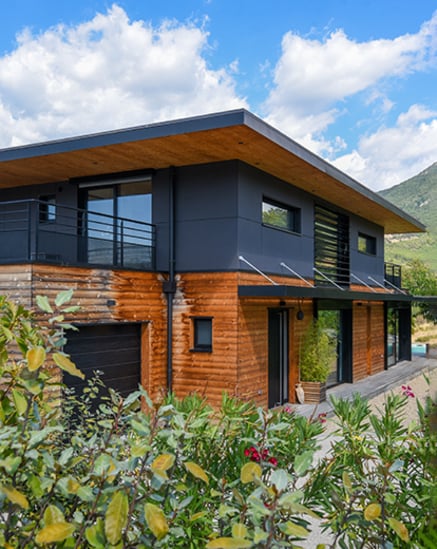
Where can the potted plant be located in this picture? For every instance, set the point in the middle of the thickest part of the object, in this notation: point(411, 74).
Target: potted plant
point(317, 353)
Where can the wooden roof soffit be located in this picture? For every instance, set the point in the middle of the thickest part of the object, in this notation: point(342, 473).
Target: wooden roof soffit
point(232, 135)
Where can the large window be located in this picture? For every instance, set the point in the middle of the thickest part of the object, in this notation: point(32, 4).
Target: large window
point(366, 244)
point(280, 216)
point(113, 224)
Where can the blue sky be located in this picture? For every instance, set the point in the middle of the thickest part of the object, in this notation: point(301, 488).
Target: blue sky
point(355, 81)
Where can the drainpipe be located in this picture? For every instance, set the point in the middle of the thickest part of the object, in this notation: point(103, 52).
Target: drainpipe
point(169, 285)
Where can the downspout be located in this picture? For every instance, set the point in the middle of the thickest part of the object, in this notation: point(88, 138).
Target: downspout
point(169, 285)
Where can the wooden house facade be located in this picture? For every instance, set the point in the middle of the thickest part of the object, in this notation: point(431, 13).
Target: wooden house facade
point(199, 251)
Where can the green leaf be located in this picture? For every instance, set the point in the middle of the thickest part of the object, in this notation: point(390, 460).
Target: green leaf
point(54, 533)
point(156, 520)
point(239, 530)
point(347, 483)
point(95, 535)
point(196, 471)
point(372, 511)
point(400, 529)
point(10, 464)
point(249, 472)
point(63, 297)
point(279, 478)
point(35, 358)
point(64, 362)
point(291, 529)
point(85, 493)
point(53, 515)
point(162, 463)
point(38, 436)
point(289, 502)
point(15, 496)
point(302, 462)
point(20, 401)
point(228, 543)
point(116, 517)
point(8, 334)
point(43, 303)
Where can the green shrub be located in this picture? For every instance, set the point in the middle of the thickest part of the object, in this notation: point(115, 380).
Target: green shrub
point(101, 471)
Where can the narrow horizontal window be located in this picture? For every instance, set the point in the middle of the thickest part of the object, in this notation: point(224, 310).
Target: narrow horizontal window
point(366, 244)
point(280, 216)
point(202, 334)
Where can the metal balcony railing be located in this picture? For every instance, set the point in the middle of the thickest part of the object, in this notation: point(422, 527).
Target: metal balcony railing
point(393, 275)
point(37, 231)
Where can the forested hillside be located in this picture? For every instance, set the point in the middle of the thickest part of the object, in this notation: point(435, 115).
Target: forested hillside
point(418, 197)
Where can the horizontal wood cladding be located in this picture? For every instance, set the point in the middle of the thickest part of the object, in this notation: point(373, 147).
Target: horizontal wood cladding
point(16, 283)
point(104, 296)
point(208, 373)
point(255, 279)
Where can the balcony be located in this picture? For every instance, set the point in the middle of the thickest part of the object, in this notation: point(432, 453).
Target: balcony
point(37, 231)
point(393, 275)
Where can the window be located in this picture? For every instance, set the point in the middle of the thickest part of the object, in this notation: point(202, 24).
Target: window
point(202, 330)
point(366, 244)
point(47, 209)
point(280, 216)
point(331, 247)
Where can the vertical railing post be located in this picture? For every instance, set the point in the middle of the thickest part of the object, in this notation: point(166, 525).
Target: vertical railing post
point(33, 217)
point(121, 243)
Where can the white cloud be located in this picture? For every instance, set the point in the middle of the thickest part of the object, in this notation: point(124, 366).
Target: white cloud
point(108, 73)
point(312, 77)
point(394, 154)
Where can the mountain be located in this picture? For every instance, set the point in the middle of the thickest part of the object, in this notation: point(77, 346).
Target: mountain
point(418, 197)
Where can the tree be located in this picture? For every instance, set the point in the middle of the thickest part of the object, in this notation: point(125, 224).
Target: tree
point(420, 280)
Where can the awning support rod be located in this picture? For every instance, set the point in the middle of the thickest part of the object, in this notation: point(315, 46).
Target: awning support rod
point(377, 283)
point(241, 258)
point(363, 283)
point(296, 274)
point(328, 279)
point(395, 287)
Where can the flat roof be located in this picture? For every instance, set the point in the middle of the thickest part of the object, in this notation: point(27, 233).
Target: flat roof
point(230, 135)
point(283, 291)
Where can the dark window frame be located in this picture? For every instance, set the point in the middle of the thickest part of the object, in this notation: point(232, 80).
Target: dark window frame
point(369, 246)
point(47, 208)
point(199, 346)
point(294, 216)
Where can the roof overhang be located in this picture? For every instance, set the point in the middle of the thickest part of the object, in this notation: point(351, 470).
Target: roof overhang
point(232, 135)
point(282, 291)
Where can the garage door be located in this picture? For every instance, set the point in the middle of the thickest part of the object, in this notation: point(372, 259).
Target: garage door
point(114, 349)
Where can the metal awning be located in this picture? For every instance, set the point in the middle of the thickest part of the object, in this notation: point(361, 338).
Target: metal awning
point(282, 291)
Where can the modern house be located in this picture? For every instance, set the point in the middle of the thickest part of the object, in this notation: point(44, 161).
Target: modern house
point(199, 250)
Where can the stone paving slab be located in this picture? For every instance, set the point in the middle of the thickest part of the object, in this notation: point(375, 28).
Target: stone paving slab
point(372, 386)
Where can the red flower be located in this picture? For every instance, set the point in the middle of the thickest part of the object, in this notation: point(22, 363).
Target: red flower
point(273, 461)
point(322, 417)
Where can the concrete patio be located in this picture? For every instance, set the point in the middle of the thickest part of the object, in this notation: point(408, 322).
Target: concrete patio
point(400, 374)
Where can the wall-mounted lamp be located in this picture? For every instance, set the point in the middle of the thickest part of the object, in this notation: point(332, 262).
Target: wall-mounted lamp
point(300, 314)
point(110, 302)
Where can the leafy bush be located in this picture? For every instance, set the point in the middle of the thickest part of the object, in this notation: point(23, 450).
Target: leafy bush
point(316, 354)
point(99, 471)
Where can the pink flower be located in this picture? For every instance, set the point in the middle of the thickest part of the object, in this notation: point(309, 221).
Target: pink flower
point(322, 417)
point(407, 391)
